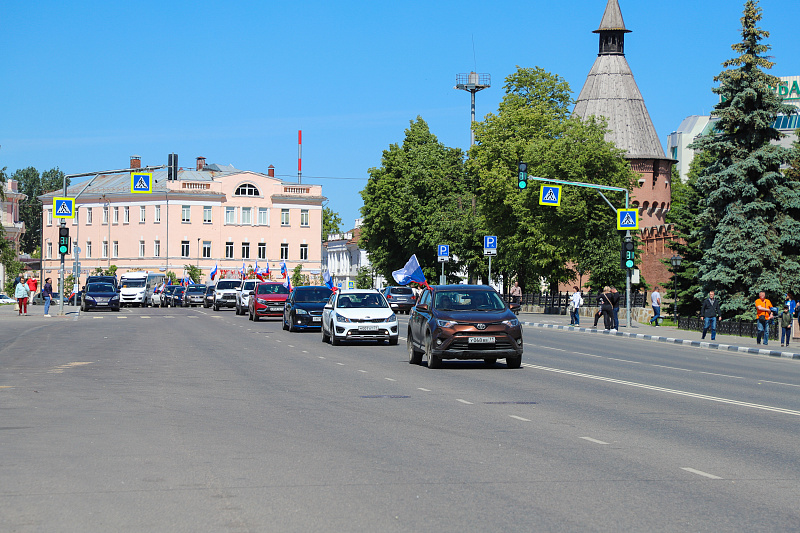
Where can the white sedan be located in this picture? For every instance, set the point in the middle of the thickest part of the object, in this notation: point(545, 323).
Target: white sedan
point(358, 314)
point(6, 300)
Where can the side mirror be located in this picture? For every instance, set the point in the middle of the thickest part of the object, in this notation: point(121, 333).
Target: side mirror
point(328, 306)
point(514, 306)
point(252, 293)
point(422, 307)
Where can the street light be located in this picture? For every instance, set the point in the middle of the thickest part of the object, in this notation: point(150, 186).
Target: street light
point(676, 262)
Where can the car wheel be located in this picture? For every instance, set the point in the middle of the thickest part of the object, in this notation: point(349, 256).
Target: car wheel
point(414, 355)
point(514, 362)
point(433, 361)
point(334, 339)
point(283, 324)
point(256, 318)
point(393, 341)
point(490, 360)
point(115, 309)
point(291, 324)
point(325, 336)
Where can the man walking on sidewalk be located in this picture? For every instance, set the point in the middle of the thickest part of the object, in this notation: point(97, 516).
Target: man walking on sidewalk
point(710, 311)
point(763, 315)
point(655, 299)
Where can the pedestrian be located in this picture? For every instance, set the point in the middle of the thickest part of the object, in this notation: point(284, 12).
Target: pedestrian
point(47, 294)
point(786, 325)
point(21, 293)
point(710, 313)
point(516, 293)
point(599, 312)
point(615, 298)
point(763, 316)
point(655, 299)
point(604, 301)
point(32, 286)
point(575, 303)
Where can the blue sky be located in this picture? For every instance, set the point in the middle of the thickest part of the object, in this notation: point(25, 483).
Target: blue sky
point(88, 84)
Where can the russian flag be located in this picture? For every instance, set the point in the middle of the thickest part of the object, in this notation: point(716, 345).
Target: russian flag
point(326, 277)
point(411, 272)
point(288, 283)
point(243, 270)
point(258, 272)
point(283, 268)
point(214, 272)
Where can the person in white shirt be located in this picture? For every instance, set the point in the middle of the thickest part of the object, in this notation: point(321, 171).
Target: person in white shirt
point(575, 303)
point(655, 299)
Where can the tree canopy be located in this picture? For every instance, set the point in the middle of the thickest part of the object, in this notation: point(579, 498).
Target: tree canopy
point(32, 184)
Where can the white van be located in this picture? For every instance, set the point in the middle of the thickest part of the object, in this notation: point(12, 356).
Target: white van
point(132, 288)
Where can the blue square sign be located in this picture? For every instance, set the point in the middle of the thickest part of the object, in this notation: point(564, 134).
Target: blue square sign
point(627, 219)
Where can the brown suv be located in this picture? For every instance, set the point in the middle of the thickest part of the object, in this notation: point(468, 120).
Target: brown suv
point(464, 322)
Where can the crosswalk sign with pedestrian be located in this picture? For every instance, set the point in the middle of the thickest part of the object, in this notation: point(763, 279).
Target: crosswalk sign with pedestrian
point(142, 182)
point(627, 219)
point(550, 195)
point(63, 207)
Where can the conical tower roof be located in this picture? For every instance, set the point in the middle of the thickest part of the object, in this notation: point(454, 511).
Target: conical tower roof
point(611, 92)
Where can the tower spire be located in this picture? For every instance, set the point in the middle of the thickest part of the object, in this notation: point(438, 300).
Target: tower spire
point(612, 30)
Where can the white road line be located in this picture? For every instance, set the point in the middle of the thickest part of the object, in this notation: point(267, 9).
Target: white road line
point(290, 346)
point(145, 317)
point(672, 368)
point(389, 379)
point(98, 317)
point(424, 390)
point(122, 317)
point(589, 354)
point(778, 383)
point(215, 316)
point(624, 361)
point(340, 364)
point(669, 391)
point(305, 351)
point(320, 357)
point(590, 439)
point(515, 417)
point(363, 371)
point(720, 375)
point(700, 473)
point(463, 401)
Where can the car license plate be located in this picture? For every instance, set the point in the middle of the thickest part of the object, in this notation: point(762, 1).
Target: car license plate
point(481, 340)
point(367, 328)
point(276, 308)
point(394, 305)
point(316, 319)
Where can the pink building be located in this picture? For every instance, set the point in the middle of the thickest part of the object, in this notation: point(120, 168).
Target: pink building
point(211, 215)
point(9, 217)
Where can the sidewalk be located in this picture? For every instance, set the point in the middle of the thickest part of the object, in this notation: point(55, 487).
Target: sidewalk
point(669, 334)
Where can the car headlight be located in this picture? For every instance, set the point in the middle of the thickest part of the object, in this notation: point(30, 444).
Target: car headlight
point(513, 322)
point(115, 297)
point(445, 323)
point(340, 318)
point(392, 318)
point(300, 312)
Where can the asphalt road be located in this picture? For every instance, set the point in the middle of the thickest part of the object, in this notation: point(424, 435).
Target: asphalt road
point(195, 420)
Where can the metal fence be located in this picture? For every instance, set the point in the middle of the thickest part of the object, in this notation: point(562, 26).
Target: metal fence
point(556, 303)
point(742, 328)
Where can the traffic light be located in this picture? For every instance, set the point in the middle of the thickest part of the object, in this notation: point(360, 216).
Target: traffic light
point(522, 176)
point(63, 240)
point(628, 253)
point(172, 167)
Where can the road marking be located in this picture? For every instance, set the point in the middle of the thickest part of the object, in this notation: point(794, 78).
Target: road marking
point(60, 369)
point(305, 351)
point(721, 375)
point(463, 401)
point(389, 379)
point(320, 357)
point(122, 317)
point(145, 317)
point(515, 417)
point(215, 316)
point(363, 371)
point(425, 390)
point(589, 354)
point(590, 439)
point(672, 368)
point(778, 383)
point(700, 473)
point(340, 364)
point(98, 317)
point(6, 386)
point(668, 391)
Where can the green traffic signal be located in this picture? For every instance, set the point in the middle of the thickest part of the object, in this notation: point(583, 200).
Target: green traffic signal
point(522, 176)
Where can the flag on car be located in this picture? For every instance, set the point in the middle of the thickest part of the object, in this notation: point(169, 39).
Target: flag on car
point(257, 272)
point(288, 283)
point(326, 277)
point(283, 269)
point(243, 271)
point(411, 272)
point(214, 272)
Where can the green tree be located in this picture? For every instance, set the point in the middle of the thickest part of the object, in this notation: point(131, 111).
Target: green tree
point(193, 272)
point(298, 278)
point(364, 278)
point(34, 185)
point(749, 228)
point(8, 256)
point(331, 222)
point(172, 278)
point(411, 203)
point(533, 124)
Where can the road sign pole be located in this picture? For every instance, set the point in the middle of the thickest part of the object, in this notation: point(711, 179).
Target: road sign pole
point(628, 289)
point(489, 279)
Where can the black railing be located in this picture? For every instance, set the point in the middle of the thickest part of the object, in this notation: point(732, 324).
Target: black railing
point(556, 303)
point(742, 328)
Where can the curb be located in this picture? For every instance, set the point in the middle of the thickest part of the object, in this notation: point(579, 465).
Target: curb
point(670, 340)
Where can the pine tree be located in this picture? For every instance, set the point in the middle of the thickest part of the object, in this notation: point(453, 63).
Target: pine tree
point(749, 228)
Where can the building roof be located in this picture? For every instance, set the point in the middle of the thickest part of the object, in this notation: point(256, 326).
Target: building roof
point(612, 19)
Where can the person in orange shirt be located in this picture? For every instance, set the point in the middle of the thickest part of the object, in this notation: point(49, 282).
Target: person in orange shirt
point(763, 314)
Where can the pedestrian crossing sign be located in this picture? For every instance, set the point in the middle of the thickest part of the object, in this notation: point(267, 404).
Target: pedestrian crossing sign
point(63, 207)
point(627, 219)
point(142, 182)
point(550, 195)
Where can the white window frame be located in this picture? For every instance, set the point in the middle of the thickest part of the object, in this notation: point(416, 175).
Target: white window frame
point(157, 248)
point(230, 215)
point(88, 216)
point(157, 215)
point(141, 248)
point(142, 214)
point(285, 220)
point(88, 249)
point(185, 249)
point(284, 250)
point(304, 218)
point(116, 214)
point(49, 250)
point(303, 252)
point(247, 216)
point(105, 214)
point(206, 249)
point(206, 214)
point(186, 214)
point(126, 215)
point(263, 216)
point(115, 249)
point(262, 250)
point(49, 217)
point(229, 250)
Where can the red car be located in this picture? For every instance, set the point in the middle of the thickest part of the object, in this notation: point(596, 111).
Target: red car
point(268, 298)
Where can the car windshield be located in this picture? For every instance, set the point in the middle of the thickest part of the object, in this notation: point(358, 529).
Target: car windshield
point(361, 300)
point(272, 288)
point(312, 295)
point(401, 290)
point(249, 286)
point(132, 283)
point(200, 289)
point(230, 284)
point(468, 300)
point(180, 290)
point(100, 287)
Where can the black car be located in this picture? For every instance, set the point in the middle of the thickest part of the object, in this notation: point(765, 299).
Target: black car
point(103, 279)
point(464, 322)
point(176, 296)
point(194, 295)
point(208, 298)
point(99, 296)
point(303, 308)
point(166, 295)
point(400, 298)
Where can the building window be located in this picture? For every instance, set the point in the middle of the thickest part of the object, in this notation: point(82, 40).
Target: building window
point(228, 250)
point(105, 214)
point(88, 248)
point(126, 215)
point(245, 250)
point(157, 217)
point(246, 190)
point(206, 214)
point(115, 249)
point(157, 248)
point(262, 250)
point(206, 249)
point(303, 252)
point(49, 250)
point(116, 215)
point(304, 218)
point(246, 219)
point(184, 248)
point(142, 211)
point(284, 217)
point(141, 248)
point(88, 216)
point(49, 217)
point(230, 215)
point(284, 251)
point(185, 211)
point(263, 216)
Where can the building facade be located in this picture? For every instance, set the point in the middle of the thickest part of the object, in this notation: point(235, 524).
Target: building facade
point(210, 216)
point(342, 258)
point(13, 227)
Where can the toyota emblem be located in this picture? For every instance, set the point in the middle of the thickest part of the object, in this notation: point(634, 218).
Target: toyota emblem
point(481, 326)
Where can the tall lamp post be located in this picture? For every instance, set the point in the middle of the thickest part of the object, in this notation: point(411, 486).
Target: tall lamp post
point(676, 262)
